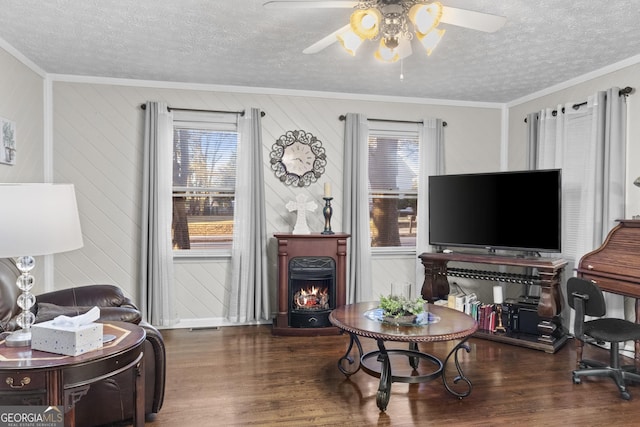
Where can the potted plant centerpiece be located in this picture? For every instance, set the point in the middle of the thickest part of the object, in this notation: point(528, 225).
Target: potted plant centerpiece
point(401, 310)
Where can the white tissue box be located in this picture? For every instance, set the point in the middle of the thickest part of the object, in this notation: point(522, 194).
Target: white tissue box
point(68, 340)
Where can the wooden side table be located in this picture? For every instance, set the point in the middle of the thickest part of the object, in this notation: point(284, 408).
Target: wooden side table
point(41, 378)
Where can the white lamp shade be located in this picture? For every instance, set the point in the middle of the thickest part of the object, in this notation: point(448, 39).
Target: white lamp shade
point(425, 17)
point(38, 219)
point(386, 54)
point(431, 40)
point(350, 41)
point(365, 23)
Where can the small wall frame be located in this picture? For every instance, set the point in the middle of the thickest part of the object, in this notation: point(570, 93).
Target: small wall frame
point(7, 141)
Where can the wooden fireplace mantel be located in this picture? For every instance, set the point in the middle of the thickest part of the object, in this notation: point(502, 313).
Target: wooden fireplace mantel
point(315, 244)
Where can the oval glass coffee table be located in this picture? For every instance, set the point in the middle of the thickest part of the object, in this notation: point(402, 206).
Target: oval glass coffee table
point(436, 324)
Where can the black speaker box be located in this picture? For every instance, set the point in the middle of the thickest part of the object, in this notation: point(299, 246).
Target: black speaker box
point(522, 317)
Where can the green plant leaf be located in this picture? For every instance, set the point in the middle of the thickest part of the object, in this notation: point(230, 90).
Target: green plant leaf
point(396, 306)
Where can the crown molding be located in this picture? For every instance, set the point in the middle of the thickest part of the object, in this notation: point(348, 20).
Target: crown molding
point(634, 60)
point(20, 57)
point(70, 78)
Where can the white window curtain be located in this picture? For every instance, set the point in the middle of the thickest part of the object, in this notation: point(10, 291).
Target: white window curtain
point(249, 293)
point(356, 208)
point(588, 142)
point(432, 162)
point(156, 260)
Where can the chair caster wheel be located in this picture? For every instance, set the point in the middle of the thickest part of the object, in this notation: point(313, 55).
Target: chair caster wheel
point(576, 380)
point(625, 395)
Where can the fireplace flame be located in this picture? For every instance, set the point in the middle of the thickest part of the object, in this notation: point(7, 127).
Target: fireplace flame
point(312, 298)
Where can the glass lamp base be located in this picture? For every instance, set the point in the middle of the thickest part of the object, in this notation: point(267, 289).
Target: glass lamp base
point(19, 338)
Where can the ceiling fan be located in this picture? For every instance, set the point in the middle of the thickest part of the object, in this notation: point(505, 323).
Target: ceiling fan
point(389, 22)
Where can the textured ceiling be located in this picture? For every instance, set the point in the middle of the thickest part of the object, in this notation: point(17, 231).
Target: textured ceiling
point(241, 43)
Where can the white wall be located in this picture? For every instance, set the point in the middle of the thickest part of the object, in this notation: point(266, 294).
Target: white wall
point(97, 133)
point(22, 101)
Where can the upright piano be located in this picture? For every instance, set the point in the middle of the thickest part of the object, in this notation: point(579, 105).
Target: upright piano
point(615, 266)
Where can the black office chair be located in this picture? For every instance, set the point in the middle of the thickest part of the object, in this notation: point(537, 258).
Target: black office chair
point(587, 299)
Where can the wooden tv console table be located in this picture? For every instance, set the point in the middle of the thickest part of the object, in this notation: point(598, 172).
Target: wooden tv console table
point(545, 272)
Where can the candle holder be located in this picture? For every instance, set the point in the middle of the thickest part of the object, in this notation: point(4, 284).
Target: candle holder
point(327, 211)
point(500, 327)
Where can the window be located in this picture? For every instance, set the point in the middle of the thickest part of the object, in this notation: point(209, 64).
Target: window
point(204, 179)
point(393, 186)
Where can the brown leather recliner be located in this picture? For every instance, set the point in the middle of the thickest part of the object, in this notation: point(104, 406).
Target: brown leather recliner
point(109, 401)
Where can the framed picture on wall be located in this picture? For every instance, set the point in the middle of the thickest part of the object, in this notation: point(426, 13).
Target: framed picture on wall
point(7, 142)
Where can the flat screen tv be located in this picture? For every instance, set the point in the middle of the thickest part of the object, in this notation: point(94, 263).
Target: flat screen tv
point(518, 211)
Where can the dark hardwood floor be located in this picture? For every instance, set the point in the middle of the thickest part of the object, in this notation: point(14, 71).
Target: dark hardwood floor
point(245, 376)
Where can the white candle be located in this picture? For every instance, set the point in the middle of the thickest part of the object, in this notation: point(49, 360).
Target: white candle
point(497, 294)
point(327, 189)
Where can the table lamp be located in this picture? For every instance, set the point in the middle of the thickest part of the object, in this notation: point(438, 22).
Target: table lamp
point(35, 219)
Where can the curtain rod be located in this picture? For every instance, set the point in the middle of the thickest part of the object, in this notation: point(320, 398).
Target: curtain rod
point(623, 92)
point(343, 118)
point(262, 113)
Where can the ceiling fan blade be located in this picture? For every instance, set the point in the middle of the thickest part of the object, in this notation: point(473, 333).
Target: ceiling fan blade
point(469, 19)
point(301, 4)
point(326, 41)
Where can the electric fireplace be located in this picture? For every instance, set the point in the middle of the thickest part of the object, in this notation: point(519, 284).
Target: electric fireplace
point(311, 282)
point(311, 291)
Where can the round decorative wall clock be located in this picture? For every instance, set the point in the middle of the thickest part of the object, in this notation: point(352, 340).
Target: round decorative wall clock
point(297, 158)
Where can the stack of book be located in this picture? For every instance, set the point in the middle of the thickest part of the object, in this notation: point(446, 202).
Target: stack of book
point(484, 314)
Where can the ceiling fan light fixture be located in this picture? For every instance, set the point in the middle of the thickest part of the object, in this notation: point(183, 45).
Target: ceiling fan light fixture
point(430, 40)
point(395, 20)
point(425, 17)
point(350, 41)
point(366, 22)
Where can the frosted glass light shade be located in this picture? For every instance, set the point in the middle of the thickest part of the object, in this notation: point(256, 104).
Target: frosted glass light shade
point(425, 17)
point(366, 23)
point(38, 219)
point(404, 48)
point(431, 40)
point(350, 41)
point(385, 54)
